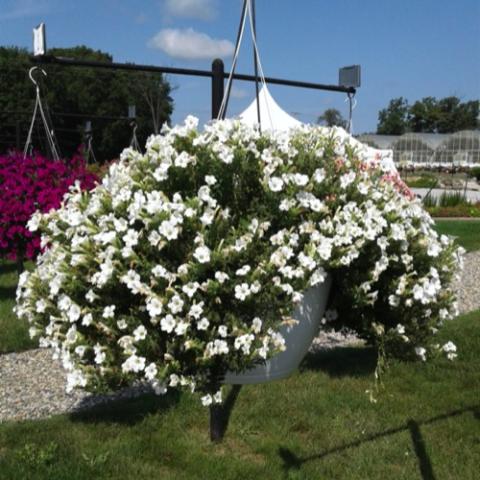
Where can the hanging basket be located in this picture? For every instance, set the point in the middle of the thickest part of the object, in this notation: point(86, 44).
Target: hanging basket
point(298, 339)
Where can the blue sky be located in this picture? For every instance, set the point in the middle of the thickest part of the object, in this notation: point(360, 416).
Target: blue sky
point(409, 48)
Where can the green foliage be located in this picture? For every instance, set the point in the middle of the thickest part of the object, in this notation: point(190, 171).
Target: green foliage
point(428, 115)
point(462, 210)
point(446, 199)
point(35, 456)
point(452, 199)
point(424, 181)
point(317, 424)
point(475, 172)
point(393, 120)
point(429, 201)
point(332, 118)
point(77, 94)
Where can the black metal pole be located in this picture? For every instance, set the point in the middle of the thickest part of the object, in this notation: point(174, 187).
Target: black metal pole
point(216, 423)
point(218, 74)
point(45, 59)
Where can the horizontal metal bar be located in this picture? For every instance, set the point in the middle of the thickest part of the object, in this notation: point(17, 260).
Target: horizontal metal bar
point(46, 59)
point(73, 62)
point(64, 114)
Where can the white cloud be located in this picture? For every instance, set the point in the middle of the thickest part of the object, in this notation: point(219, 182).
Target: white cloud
point(200, 9)
point(190, 45)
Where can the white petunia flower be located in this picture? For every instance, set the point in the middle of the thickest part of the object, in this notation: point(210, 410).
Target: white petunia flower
point(221, 277)
point(190, 288)
point(421, 352)
point(167, 324)
point(203, 324)
point(400, 329)
point(256, 325)
point(131, 238)
point(242, 291)
point(196, 310)
point(133, 364)
point(275, 184)
point(181, 328)
point(169, 230)
point(210, 180)
point(122, 324)
point(202, 254)
point(87, 319)
point(109, 311)
point(176, 304)
point(151, 371)
point(140, 333)
point(159, 271)
point(241, 272)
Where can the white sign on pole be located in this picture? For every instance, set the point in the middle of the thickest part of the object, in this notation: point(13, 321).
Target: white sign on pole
point(39, 42)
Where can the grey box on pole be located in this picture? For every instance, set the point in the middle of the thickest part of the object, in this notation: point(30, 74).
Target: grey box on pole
point(349, 76)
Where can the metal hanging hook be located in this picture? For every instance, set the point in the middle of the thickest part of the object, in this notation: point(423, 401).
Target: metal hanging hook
point(30, 74)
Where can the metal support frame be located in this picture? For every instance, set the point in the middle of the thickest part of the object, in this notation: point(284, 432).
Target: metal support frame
point(216, 73)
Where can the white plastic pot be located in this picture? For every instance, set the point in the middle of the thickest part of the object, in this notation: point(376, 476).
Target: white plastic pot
point(298, 339)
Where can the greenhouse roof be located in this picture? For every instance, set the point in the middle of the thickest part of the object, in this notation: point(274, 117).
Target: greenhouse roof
point(432, 140)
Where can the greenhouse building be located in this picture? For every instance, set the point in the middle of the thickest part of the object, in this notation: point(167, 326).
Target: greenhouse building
point(430, 150)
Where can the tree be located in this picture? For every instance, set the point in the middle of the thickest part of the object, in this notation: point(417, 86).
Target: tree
point(424, 115)
point(428, 115)
point(77, 94)
point(332, 117)
point(455, 115)
point(393, 120)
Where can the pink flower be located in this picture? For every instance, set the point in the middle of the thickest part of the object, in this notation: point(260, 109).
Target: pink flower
point(31, 184)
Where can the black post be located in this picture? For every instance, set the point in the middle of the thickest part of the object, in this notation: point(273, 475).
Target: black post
point(216, 423)
point(218, 73)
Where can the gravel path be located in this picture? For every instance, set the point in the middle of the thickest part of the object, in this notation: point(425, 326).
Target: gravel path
point(32, 385)
point(468, 286)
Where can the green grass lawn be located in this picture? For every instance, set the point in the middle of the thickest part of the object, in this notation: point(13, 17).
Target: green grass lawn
point(318, 424)
point(466, 231)
point(13, 332)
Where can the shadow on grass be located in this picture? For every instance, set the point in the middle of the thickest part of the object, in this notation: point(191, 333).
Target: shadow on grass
point(8, 267)
point(7, 293)
point(342, 361)
point(125, 411)
point(291, 461)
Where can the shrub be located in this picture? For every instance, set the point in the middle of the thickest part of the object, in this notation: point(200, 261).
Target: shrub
point(475, 172)
point(32, 184)
point(452, 199)
point(424, 181)
point(185, 261)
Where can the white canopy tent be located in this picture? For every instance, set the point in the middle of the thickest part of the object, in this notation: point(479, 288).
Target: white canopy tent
point(273, 117)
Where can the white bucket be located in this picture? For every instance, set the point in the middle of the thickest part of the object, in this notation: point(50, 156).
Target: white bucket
point(298, 339)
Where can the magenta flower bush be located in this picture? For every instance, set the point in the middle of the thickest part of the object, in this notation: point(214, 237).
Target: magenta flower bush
point(31, 184)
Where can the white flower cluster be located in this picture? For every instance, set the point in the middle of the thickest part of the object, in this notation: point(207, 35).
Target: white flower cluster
point(185, 261)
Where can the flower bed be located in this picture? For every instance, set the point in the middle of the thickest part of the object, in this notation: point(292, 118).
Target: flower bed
point(185, 262)
point(30, 184)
